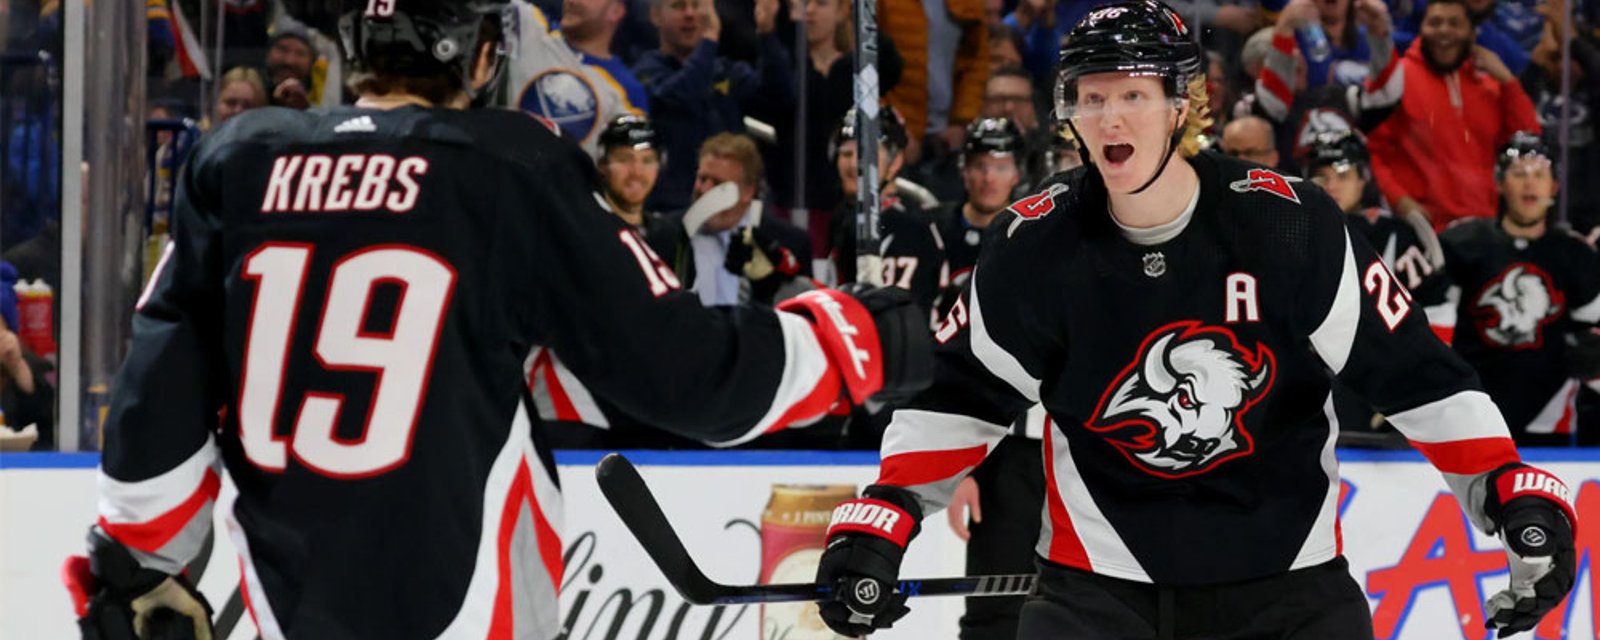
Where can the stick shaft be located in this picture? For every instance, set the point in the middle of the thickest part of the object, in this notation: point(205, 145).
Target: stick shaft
point(631, 498)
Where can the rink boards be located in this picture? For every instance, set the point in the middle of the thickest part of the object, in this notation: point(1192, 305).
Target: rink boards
point(1426, 572)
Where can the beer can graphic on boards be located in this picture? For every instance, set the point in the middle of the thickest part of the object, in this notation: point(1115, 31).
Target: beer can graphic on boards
point(36, 314)
point(794, 528)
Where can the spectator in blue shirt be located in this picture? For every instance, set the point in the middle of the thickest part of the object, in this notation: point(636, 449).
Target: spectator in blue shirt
point(694, 93)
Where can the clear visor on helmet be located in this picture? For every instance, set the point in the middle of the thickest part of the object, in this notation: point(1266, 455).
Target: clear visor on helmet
point(1528, 164)
point(1080, 107)
point(1342, 168)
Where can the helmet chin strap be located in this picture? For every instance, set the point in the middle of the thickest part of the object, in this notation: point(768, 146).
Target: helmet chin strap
point(1166, 156)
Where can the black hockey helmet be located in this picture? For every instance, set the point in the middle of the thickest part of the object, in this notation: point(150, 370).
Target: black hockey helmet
point(408, 37)
point(1339, 149)
point(1141, 37)
point(891, 131)
point(629, 130)
point(1523, 144)
point(992, 136)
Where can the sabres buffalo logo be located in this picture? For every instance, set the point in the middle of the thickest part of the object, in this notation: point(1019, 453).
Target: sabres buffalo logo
point(1177, 410)
point(1513, 309)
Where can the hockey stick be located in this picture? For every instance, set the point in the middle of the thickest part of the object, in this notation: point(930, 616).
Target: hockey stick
point(865, 83)
point(625, 489)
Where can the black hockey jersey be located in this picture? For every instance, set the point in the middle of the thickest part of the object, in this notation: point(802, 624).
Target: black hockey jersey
point(1518, 301)
point(1411, 251)
point(914, 256)
point(1188, 381)
point(912, 252)
point(963, 243)
point(342, 321)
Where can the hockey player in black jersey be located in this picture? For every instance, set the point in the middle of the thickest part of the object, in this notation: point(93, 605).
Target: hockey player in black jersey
point(1180, 314)
point(1530, 299)
point(630, 163)
point(1009, 481)
point(910, 248)
point(1337, 161)
point(340, 322)
point(991, 171)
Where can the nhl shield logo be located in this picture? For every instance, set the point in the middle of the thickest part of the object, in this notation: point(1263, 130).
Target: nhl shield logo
point(1155, 264)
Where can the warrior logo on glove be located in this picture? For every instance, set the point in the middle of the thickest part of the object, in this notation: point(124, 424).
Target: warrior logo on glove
point(1178, 409)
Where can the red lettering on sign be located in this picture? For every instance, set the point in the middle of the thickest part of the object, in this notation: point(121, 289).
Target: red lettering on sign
point(1441, 554)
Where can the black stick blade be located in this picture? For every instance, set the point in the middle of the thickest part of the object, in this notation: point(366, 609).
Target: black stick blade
point(630, 497)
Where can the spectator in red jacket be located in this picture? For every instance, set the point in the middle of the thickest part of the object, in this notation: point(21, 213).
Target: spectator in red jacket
point(1435, 154)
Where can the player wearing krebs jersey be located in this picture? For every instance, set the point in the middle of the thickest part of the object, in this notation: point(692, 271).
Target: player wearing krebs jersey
point(341, 322)
point(1180, 315)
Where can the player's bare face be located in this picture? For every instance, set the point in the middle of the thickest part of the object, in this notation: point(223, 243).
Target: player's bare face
point(847, 166)
point(631, 174)
point(1126, 122)
point(990, 180)
point(1529, 188)
point(1343, 182)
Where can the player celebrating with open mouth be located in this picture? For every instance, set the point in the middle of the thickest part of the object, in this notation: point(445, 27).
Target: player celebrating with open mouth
point(1181, 315)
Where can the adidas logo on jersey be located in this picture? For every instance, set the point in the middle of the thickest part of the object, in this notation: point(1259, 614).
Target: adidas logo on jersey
point(361, 124)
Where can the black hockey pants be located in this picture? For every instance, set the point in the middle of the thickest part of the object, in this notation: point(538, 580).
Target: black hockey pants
point(1315, 603)
point(1011, 496)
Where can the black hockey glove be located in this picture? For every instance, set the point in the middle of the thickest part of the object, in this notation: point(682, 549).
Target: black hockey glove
point(1532, 512)
point(116, 599)
point(756, 255)
point(866, 541)
point(876, 337)
point(1583, 353)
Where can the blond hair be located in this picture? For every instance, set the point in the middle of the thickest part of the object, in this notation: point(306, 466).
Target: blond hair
point(1199, 118)
point(739, 149)
point(248, 76)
